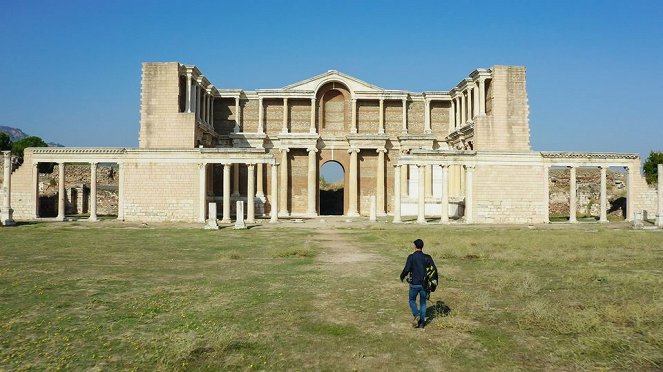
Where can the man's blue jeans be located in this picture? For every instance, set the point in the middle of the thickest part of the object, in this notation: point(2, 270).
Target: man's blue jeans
point(421, 291)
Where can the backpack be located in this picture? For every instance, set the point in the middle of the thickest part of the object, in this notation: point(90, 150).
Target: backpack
point(430, 281)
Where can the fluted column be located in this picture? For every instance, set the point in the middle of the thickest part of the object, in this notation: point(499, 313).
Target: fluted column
point(259, 181)
point(238, 115)
point(226, 193)
point(312, 182)
point(250, 194)
point(421, 206)
point(380, 181)
point(427, 128)
point(397, 194)
point(404, 116)
point(93, 192)
point(235, 179)
point(381, 129)
point(444, 202)
point(6, 211)
point(353, 129)
point(312, 130)
point(469, 193)
point(284, 129)
point(61, 192)
point(274, 196)
point(202, 191)
point(452, 116)
point(572, 195)
point(546, 194)
point(261, 116)
point(428, 176)
point(188, 92)
point(629, 194)
point(659, 215)
point(604, 195)
point(283, 198)
point(352, 186)
point(482, 97)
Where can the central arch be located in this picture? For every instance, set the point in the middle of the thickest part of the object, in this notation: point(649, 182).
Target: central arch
point(333, 108)
point(332, 192)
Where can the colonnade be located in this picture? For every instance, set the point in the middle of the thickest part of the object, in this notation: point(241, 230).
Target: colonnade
point(199, 99)
point(468, 102)
point(421, 195)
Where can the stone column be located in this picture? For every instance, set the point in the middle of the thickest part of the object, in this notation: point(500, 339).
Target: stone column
point(604, 196)
point(211, 110)
point(235, 179)
point(444, 203)
point(421, 207)
point(61, 192)
point(546, 194)
point(469, 200)
point(261, 116)
point(226, 194)
point(428, 175)
point(312, 182)
point(35, 188)
point(404, 116)
point(427, 129)
point(284, 183)
point(404, 180)
point(250, 194)
point(452, 116)
point(284, 129)
point(188, 92)
point(458, 108)
point(380, 181)
point(397, 194)
point(572, 195)
point(120, 196)
point(312, 116)
point(93, 192)
point(381, 129)
point(238, 115)
point(6, 212)
point(482, 97)
point(202, 191)
point(659, 215)
point(259, 181)
point(198, 103)
point(352, 183)
point(463, 108)
point(629, 194)
point(274, 196)
point(354, 116)
point(470, 102)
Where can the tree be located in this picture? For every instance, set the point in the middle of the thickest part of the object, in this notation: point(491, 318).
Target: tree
point(650, 166)
point(33, 141)
point(5, 142)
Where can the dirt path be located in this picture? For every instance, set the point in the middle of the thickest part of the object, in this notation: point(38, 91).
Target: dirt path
point(339, 253)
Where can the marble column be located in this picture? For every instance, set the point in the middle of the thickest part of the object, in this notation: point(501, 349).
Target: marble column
point(379, 183)
point(188, 92)
point(659, 215)
point(427, 128)
point(61, 192)
point(199, 102)
point(261, 116)
point(274, 196)
point(312, 130)
point(238, 114)
point(457, 108)
point(211, 110)
point(404, 131)
point(463, 108)
point(604, 195)
point(470, 102)
point(35, 188)
point(283, 198)
point(312, 182)
point(482, 97)
point(284, 128)
point(404, 181)
point(444, 202)
point(250, 194)
point(452, 116)
point(352, 183)
point(469, 193)
point(202, 192)
point(226, 194)
point(546, 194)
point(397, 194)
point(381, 128)
point(93, 192)
point(353, 129)
point(421, 207)
point(6, 211)
point(235, 179)
point(428, 176)
point(260, 193)
point(629, 194)
point(572, 195)
point(120, 196)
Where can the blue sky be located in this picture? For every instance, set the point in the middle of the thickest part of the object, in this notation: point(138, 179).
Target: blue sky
point(71, 69)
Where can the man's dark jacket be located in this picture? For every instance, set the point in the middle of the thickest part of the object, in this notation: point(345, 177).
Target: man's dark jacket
point(416, 264)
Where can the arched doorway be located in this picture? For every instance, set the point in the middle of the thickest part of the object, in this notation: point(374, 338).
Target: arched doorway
point(332, 178)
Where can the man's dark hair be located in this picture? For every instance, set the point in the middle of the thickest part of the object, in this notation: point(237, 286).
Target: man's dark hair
point(419, 243)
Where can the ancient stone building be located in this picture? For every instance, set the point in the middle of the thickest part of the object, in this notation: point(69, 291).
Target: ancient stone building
point(460, 154)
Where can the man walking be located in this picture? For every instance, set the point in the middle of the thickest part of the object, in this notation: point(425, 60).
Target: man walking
point(415, 267)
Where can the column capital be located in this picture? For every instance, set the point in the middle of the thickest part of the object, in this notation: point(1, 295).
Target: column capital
point(312, 149)
point(381, 149)
point(251, 165)
point(313, 99)
point(470, 167)
point(286, 149)
point(353, 149)
point(397, 165)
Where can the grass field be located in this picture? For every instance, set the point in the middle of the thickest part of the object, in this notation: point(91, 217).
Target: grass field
point(319, 296)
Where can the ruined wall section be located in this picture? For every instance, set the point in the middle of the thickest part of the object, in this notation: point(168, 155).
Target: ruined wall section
point(161, 123)
point(507, 126)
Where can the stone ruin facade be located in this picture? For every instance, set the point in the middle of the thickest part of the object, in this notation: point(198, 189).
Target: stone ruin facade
point(458, 155)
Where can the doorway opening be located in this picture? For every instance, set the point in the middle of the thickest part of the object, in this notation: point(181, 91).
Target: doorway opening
point(332, 180)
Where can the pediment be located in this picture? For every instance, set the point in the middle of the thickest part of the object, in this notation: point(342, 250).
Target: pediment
point(312, 84)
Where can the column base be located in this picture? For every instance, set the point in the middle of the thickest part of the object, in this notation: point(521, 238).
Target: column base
point(250, 221)
point(659, 220)
point(396, 221)
point(93, 219)
point(444, 222)
point(211, 225)
point(226, 221)
point(274, 220)
point(422, 222)
point(59, 218)
point(6, 218)
point(603, 220)
point(352, 214)
point(311, 214)
point(573, 221)
point(284, 214)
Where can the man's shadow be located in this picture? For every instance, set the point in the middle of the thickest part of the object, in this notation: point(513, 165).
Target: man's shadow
point(439, 308)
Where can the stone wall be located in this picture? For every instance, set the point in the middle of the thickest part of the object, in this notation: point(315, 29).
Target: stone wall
point(588, 194)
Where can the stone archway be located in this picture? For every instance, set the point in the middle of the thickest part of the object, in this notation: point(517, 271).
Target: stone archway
point(332, 192)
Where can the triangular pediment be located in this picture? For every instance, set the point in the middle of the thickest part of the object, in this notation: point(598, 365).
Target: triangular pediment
point(312, 84)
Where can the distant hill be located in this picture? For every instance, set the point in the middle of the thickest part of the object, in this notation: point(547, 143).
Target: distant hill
point(16, 134)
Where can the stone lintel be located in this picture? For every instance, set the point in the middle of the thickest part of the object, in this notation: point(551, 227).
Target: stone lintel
point(247, 140)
